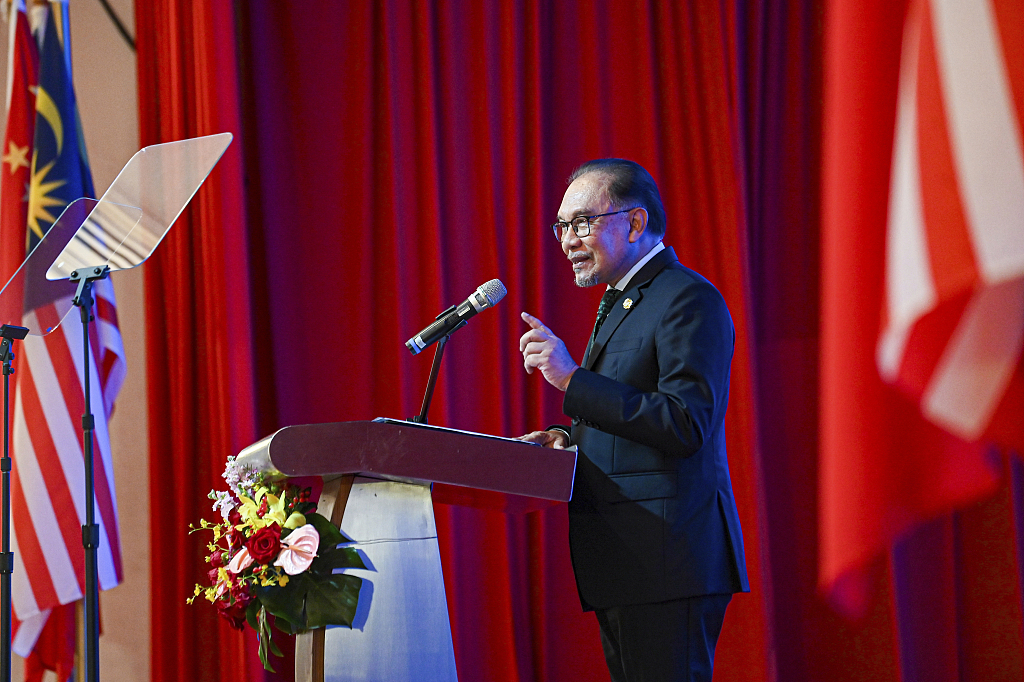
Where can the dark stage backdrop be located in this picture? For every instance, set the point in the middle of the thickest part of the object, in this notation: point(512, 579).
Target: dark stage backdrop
point(390, 157)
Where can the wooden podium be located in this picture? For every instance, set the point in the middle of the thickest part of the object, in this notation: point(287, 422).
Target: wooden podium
point(378, 477)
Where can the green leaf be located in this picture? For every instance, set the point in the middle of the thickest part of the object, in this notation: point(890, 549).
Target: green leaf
point(337, 557)
point(330, 536)
point(250, 614)
point(332, 601)
point(286, 602)
point(287, 627)
point(274, 649)
point(264, 637)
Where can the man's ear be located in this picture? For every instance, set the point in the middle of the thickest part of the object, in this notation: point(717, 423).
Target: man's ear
point(637, 225)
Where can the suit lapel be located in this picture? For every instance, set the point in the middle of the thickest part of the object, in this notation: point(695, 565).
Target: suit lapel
point(615, 317)
point(634, 294)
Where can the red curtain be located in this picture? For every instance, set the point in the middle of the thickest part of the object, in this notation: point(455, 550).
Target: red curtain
point(398, 154)
point(199, 362)
point(410, 151)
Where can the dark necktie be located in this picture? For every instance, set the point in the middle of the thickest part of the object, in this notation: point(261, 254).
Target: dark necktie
point(607, 301)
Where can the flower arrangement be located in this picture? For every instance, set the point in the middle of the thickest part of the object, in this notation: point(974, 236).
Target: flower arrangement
point(273, 559)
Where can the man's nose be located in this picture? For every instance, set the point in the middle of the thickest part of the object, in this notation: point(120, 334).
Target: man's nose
point(570, 239)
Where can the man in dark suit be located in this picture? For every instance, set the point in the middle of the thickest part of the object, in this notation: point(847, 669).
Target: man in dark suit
point(653, 528)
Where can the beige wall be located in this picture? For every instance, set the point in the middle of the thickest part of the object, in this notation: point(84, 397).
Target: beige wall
point(104, 68)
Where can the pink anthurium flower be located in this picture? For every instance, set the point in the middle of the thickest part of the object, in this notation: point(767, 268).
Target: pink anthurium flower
point(298, 550)
point(241, 561)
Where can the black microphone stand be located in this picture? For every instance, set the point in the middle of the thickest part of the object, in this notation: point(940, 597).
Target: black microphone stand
point(435, 368)
point(9, 333)
point(90, 531)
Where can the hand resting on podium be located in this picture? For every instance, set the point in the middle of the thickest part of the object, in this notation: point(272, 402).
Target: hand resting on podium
point(550, 439)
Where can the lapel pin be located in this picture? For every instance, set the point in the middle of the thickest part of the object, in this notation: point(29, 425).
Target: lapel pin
point(627, 304)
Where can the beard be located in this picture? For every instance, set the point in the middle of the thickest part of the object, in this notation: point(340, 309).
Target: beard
point(581, 279)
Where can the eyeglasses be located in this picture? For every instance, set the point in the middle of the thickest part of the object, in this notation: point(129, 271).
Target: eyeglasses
point(580, 224)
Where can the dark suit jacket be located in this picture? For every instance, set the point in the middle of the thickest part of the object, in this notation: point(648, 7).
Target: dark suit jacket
point(653, 515)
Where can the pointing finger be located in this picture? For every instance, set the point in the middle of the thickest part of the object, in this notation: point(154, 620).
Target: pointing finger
point(535, 323)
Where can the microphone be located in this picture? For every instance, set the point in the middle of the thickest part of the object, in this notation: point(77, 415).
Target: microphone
point(485, 296)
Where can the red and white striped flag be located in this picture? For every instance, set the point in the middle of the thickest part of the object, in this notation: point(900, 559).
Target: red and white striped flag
point(48, 499)
point(953, 324)
point(922, 270)
point(22, 70)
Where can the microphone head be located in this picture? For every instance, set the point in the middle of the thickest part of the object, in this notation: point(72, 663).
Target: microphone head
point(493, 291)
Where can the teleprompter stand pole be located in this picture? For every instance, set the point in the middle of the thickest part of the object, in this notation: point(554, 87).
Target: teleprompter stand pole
point(9, 333)
point(434, 370)
point(90, 531)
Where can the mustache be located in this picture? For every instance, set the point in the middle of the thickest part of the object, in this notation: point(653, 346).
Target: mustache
point(574, 254)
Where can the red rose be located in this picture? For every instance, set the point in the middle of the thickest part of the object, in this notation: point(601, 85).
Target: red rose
point(240, 592)
point(233, 609)
point(217, 559)
point(264, 544)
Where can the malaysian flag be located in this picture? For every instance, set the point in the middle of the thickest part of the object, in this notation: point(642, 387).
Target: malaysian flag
point(954, 311)
point(48, 498)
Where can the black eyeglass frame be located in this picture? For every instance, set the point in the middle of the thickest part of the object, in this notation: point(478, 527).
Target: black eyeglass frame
point(560, 228)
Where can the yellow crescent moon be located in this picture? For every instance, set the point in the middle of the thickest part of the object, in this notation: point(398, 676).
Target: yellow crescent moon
point(46, 108)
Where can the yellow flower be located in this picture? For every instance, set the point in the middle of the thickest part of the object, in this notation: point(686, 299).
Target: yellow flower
point(249, 509)
point(223, 581)
point(275, 511)
point(271, 576)
point(294, 521)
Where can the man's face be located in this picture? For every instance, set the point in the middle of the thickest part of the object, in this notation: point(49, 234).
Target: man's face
point(603, 256)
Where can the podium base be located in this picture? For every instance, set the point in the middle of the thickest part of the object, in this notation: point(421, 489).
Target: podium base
point(401, 631)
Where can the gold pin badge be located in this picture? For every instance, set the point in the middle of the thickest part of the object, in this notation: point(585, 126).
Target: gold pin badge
point(627, 304)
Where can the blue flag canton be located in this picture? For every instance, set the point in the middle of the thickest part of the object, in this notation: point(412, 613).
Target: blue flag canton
point(60, 171)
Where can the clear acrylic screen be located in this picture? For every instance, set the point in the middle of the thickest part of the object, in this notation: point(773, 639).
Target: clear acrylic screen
point(140, 206)
point(120, 230)
point(29, 299)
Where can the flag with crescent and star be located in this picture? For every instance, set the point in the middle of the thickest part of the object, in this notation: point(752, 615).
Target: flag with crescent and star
point(45, 154)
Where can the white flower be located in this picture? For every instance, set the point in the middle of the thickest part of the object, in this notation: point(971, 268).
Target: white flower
point(243, 480)
point(231, 472)
point(222, 502)
point(298, 550)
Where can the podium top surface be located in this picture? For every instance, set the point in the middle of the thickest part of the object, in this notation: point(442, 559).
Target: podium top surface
point(409, 451)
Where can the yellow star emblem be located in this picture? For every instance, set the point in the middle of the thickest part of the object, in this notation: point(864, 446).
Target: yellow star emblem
point(16, 157)
point(40, 199)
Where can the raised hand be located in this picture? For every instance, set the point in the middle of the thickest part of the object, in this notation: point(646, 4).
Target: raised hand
point(543, 350)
